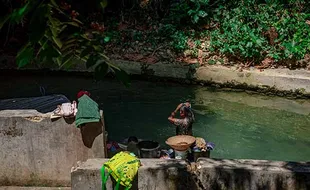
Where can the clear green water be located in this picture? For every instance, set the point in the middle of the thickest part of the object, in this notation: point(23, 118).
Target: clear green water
point(241, 125)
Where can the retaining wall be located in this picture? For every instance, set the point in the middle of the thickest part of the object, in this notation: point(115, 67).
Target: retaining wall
point(36, 151)
point(277, 79)
point(206, 174)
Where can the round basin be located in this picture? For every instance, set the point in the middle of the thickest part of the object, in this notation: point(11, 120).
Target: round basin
point(180, 142)
point(148, 149)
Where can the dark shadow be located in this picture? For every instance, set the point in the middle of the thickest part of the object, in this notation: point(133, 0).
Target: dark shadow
point(175, 175)
point(89, 132)
point(246, 174)
point(68, 120)
point(301, 171)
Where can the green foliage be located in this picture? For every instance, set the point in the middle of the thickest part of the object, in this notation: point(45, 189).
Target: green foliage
point(249, 29)
point(179, 40)
point(58, 37)
point(198, 10)
point(245, 32)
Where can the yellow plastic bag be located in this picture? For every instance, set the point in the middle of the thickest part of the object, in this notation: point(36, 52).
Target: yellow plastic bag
point(123, 167)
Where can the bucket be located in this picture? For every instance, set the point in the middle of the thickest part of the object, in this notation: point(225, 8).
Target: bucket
point(149, 149)
point(180, 154)
point(205, 154)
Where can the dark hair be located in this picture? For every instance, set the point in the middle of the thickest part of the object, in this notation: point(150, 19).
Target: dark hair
point(133, 139)
point(188, 113)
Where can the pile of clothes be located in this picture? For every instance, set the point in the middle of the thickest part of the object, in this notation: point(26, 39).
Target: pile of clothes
point(202, 146)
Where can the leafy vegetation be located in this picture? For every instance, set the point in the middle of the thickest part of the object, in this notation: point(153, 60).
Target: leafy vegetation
point(255, 32)
point(56, 35)
point(251, 31)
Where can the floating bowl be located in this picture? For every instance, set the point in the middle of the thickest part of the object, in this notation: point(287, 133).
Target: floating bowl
point(180, 142)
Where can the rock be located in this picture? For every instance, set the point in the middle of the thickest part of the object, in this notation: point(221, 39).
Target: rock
point(226, 89)
point(237, 90)
point(188, 53)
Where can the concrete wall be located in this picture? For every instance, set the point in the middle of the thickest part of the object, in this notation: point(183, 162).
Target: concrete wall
point(206, 174)
point(283, 80)
point(36, 151)
point(280, 79)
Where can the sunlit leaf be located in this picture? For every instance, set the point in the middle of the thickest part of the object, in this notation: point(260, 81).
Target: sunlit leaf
point(57, 41)
point(106, 39)
point(72, 24)
point(202, 13)
point(18, 14)
point(78, 21)
point(104, 3)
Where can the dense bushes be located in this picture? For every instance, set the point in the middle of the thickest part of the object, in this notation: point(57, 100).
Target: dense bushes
point(250, 30)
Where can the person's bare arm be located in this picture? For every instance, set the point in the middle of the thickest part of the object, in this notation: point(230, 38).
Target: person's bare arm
point(178, 107)
point(171, 117)
point(174, 121)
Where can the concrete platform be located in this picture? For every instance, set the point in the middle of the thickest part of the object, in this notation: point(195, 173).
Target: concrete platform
point(38, 151)
point(206, 174)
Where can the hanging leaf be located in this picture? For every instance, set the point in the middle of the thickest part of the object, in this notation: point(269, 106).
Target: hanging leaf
point(18, 14)
point(72, 24)
point(103, 3)
point(77, 21)
point(57, 41)
point(4, 20)
point(69, 44)
point(91, 61)
point(49, 53)
point(122, 76)
point(101, 70)
point(67, 61)
point(24, 56)
point(86, 52)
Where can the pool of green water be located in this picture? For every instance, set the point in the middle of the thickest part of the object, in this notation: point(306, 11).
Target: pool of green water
point(242, 126)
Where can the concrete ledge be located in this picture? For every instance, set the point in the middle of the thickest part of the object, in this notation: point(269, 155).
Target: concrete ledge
point(36, 151)
point(154, 174)
point(281, 79)
point(253, 174)
point(278, 79)
point(206, 174)
point(281, 82)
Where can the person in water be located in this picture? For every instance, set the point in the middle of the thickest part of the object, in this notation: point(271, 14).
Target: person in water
point(184, 124)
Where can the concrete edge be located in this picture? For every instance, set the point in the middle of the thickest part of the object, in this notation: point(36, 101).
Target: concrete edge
point(280, 82)
point(95, 164)
point(205, 174)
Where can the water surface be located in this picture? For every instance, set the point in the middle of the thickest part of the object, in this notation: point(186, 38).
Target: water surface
point(241, 125)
